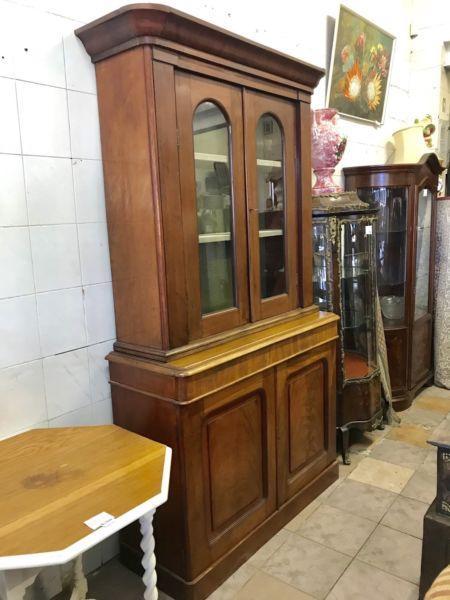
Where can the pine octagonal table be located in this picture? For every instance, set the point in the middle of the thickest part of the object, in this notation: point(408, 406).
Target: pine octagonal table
point(65, 490)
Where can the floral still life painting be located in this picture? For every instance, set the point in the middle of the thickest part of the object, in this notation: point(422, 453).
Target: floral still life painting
point(360, 67)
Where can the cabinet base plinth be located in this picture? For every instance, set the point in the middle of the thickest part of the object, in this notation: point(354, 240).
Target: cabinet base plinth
point(403, 401)
point(209, 580)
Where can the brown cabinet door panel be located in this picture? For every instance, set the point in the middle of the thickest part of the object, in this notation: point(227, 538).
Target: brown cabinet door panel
point(211, 162)
point(306, 419)
point(272, 197)
point(421, 355)
point(397, 349)
point(231, 471)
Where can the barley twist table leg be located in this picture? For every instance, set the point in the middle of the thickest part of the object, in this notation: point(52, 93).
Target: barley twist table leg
point(3, 590)
point(149, 560)
point(79, 581)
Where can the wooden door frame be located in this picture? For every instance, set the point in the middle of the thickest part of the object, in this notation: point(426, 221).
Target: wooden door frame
point(257, 104)
point(191, 90)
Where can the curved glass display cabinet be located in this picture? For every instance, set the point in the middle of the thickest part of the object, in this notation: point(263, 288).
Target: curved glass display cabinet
point(344, 282)
point(405, 195)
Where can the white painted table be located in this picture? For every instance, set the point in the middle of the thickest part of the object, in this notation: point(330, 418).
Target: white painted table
point(53, 481)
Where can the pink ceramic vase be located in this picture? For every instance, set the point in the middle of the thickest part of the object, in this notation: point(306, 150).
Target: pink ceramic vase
point(328, 146)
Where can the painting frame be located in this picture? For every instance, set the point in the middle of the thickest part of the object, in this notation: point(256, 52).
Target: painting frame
point(374, 76)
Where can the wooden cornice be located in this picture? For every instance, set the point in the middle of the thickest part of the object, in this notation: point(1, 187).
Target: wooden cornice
point(139, 24)
point(429, 161)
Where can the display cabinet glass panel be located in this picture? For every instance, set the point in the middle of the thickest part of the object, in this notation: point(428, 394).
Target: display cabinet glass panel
point(357, 299)
point(270, 174)
point(321, 267)
point(214, 207)
point(391, 248)
point(423, 245)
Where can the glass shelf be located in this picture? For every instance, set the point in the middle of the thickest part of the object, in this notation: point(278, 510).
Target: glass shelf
point(353, 272)
point(357, 325)
point(365, 254)
point(388, 230)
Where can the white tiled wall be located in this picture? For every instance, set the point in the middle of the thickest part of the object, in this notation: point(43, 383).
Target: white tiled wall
point(431, 26)
point(56, 310)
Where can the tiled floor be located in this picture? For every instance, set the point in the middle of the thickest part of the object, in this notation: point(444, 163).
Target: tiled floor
point(361, 539)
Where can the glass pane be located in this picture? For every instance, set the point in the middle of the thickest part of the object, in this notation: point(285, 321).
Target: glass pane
point(214, 210)
point(423, 253)
point(357, 297)
point(321, 275)
point(391, 243)
point(271, 206)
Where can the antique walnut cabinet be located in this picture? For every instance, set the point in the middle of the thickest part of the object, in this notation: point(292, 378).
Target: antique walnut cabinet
point(406, 197)
point(220, 352)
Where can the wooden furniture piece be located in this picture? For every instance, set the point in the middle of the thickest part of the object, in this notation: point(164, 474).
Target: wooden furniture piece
point(54, 481)
point(435, 547)
point(405, 195)
point(221, 353)
point(344, 269)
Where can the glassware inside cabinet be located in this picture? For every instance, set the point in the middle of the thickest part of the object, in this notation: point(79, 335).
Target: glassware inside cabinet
point(423, 244)
point(214, 207)
point(357, 299)
point(271, 206)
point(391, 248)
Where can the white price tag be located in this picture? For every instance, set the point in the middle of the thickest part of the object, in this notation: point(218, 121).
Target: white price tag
point(368, 229)
point(100, 520)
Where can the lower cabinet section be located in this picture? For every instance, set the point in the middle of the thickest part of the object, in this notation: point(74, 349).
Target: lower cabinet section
point(247, 455)
point(412, 371)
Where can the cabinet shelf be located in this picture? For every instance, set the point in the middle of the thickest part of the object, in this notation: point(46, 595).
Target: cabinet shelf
point(262, 162)
point(223, 158)
point(206, 238)
point(225, 236)
point(264, 233)
point(207, 157)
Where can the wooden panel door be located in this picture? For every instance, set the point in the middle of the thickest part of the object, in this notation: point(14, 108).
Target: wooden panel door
point(211, 161)
point(270, 163)
point(231, 471)
point(306, 419)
